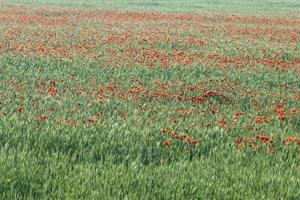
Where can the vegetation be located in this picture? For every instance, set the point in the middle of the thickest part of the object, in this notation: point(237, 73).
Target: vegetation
point(176, 101)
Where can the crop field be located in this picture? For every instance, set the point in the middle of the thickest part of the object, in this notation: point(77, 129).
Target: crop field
point(149, 99)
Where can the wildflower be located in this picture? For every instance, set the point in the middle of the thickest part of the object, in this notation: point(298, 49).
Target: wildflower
point(187, 138)
point(123, 116)
point(260, 120)
point(51, 90)
point(290, 140)
point(52, 83)
point(280, 114)
point(167, 143)
point(238, 114)
point(247, 127)
point(239, 144)
point(266, 139)
point(271, 149)
point(293, 110)
point(40, 118)
point(196, 142)
point(20, 109)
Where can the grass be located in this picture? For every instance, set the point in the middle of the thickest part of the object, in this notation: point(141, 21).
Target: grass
point(175, 103)
point(245, 7)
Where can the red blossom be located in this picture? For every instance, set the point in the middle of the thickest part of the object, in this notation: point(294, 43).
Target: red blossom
point(20, 109)
point(196, 141)
point(51, 90)
point(238, 114)
point(123, 116)
point(239, 143)
point(280, 113)
point(52, 83)
point(290, 140)
point(260, 120)
point(40, 118)
point(167, 143)
point(248, 127)
point(266, 139)
point(271, 149)
point(293, 110)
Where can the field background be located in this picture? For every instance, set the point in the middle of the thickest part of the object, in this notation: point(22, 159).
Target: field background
point(149, 99)
point(245, 7)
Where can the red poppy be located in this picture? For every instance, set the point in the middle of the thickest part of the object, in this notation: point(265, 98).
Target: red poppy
point(51, 90)
point(248, 127)
point(238, 114)
point(196, 141)
point(40, 118)
point(123, 116)
point(290, 140)
point(266, 139)
point(280, 114)
point(260, 120)
point(20, 109)
point(239, 144)
point(271, 149)
point(52, 83)
point(293, 110)
point(167, 143)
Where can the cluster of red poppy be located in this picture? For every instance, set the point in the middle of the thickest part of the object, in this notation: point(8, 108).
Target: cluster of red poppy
point(130, 32)
point(139, 40)
point(257, 142)
point(175, 136)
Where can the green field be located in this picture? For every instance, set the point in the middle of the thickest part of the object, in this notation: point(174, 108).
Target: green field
point(149, 99)
point(245, 7)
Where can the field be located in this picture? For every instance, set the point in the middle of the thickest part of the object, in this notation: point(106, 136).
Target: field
point(149, 99)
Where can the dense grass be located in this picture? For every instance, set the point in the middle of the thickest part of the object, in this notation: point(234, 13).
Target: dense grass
point(89, 100)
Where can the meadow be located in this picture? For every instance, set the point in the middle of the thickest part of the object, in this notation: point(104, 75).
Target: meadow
point(149, 99)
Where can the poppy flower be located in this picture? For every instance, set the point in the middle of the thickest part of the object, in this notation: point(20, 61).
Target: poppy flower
point(238, 114)
point(51, 90)
point(260, 120)
point(247, 127)
point(239, 144)
point(266, 139)
point(196, 141)
point(20, 109)
point(40, 118)
point(290, 140)
point(167, 143)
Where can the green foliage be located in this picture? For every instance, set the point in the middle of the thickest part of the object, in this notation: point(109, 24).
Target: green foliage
point(93, 121)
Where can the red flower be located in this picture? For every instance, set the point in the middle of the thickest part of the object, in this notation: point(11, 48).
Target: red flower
point(20, 109)
point(167, 143)
point(239, 144)
point(266, 139)
point(51, 90)
point(187, 138)
point(260, 120)
point(280, 114)
point(248, 127)
point(293, 110)
point(238, 114)
point(52, 83)
point(271, 149)
point(123, 116)
point(40, 118)
point(290, 140)
point(196, 141)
